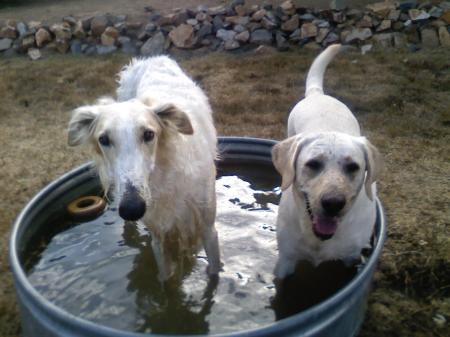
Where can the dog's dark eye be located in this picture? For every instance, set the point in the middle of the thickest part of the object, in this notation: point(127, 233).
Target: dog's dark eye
point(148, 136)
point(104, 140)
point(351, 167)
point(314, 165)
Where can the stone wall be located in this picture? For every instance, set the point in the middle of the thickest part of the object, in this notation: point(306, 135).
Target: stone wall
point(405, 24)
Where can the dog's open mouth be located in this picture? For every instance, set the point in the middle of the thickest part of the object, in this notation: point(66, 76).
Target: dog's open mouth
point(323, 227)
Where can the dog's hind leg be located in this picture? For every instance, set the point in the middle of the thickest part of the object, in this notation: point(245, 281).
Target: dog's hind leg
point(211, 240)
point(211, 245)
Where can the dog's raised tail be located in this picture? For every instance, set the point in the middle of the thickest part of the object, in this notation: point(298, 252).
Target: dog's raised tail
point(314, 80)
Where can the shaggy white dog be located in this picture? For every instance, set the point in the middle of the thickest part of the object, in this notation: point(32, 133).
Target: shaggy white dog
point(155, 149)
point(327, 209)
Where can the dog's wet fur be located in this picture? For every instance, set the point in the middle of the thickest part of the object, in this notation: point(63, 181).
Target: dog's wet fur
point(327, 209)
point(155, 147)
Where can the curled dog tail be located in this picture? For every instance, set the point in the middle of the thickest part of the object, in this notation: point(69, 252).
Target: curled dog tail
point(314, 80)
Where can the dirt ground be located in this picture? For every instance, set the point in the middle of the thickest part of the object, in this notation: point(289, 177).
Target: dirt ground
point(401, 99)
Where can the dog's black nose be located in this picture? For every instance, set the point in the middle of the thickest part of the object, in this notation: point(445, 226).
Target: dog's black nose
point(333, 204)
point(132, 206)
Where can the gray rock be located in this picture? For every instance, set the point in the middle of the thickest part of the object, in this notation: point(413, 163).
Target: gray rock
point(154, 45)
point(28, 42)
point(42, 37)
point(394, 14)
point(322, 34)
point(360, 34)
point(354, 14)
point(259, 14)
point(75, 47)
point(238, 20)
point(291, 24)
point(90, 50)
point(435, 12)
point(201, 16)
point(150, 27)
point(226, 35)
point(78, 30)
point(382, 9)
point(383, 40)
point(129, 48)
point(192, 22)
point(5, 44)
point(8, 32)
point(21, 28)
point(231, 45)
point(444, 37)
point(288, 7)
point(307, 17)
point(338, 17)
point(295, 36)
point(241, 10)
point(384, 25)
point(105, 50)
point(261, 36)
point(34, 54)
point(239, 28)
point(430, 38)
point(205, 29)
point(281, 42)
point(98, 25)
point(61, 30)
point(331, 38)
point(322, 23)
point(70, 20)
point(217, 10)
point(243, 36)
point(365, 22)
point(217, 23)
point(308, 30)
point(183, 36)
point(268, 23)
point(123, 39)
point(34, 25)
point(109, 36)
point(418, 15)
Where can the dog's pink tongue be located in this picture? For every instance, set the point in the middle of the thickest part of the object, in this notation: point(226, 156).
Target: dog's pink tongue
point(325, 226)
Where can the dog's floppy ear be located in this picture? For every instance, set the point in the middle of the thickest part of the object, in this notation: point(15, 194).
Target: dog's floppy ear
point(82, 124)
point(373, 166)
point(169, 113)
point(284, 156)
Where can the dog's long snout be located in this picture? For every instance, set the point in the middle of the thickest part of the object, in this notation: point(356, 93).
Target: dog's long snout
point(132, 206)
point(332, 203)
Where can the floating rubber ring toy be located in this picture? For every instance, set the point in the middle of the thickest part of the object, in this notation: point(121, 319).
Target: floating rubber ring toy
point(86, 207)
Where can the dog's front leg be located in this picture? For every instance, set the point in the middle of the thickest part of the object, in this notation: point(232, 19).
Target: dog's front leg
point(163, 262)
point(211, 245)
point(285, 266)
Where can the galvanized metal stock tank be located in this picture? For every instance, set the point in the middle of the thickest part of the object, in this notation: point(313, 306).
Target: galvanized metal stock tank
point(340, 315)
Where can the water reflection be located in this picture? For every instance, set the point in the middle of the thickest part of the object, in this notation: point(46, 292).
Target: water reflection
point(159, 303)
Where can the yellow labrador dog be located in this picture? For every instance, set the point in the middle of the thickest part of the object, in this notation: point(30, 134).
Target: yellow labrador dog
point(155, 148)
point(327, 209)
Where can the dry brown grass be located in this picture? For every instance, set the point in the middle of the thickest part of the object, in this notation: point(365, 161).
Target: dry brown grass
point(401, 100)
